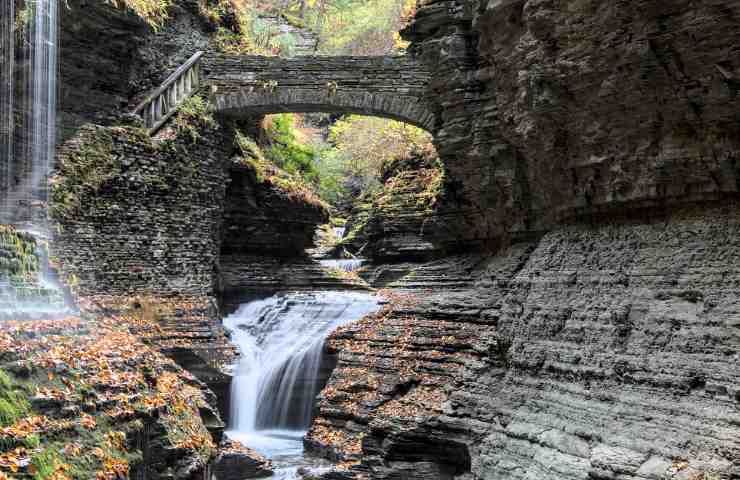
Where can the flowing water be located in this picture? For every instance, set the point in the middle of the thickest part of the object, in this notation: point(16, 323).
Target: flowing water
point(283, 367)
point(347, 264)
point(28, 105)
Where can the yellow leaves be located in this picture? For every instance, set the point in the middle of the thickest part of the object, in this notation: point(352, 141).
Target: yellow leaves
point(55, 471)
point(88, 422)
point(15, 459)
point(27, 426)
point(154, 12)
point(73, 449)
point(116, 440)
point(100, 367)
point(113, 468)
point(367, 143)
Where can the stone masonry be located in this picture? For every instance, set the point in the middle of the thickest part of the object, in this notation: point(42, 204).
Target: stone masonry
point(390, 87)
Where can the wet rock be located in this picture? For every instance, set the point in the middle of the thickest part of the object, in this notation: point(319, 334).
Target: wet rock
point(260, 218)
point(237, 462)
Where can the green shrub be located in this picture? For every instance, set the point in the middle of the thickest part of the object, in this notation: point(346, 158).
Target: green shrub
point(45, 464)
point(287, 153)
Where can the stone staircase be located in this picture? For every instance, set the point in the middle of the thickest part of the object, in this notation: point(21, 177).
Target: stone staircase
point(162, 103)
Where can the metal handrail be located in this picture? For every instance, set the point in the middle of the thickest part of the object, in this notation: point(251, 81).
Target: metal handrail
point(163, 102)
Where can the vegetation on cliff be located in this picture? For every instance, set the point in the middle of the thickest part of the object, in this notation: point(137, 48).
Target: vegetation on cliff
point(286, 166)
point(343, 27)
point(77, 396)
point(353, 27)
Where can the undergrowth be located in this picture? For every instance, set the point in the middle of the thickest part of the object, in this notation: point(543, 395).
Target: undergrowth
point(153, 12)
point(266, 172)
point(13, 404)
point(193, 117)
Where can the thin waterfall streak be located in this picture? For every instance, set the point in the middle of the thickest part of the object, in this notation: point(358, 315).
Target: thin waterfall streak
point(28, 136)
point(7, 69)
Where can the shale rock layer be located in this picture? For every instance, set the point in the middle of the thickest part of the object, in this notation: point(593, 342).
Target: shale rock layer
point(599, 351)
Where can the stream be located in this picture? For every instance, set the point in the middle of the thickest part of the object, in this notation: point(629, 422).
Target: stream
point(282, 369)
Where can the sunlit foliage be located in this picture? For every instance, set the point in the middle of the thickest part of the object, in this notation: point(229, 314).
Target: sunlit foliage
point(357, 151)
point(240, 30)
point(352, 27)
point(287, 150)
point(154, 12)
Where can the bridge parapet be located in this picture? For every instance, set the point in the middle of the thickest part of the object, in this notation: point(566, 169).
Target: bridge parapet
point(392, 87)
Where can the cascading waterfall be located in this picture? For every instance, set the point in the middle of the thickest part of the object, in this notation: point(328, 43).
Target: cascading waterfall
point(283, 367)
point(28, 108)
point(347, 264)
point(28, 97)
point(7, 83)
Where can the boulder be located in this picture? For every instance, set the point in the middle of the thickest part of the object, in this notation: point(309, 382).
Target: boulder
point(237, 462)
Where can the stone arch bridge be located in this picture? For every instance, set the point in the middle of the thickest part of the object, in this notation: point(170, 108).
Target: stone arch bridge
point(390, 87)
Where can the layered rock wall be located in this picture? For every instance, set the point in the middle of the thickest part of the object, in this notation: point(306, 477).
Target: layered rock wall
point(400, 222)
point(592, 146)
point(605, 351)
point(553, 110)
point(263, 219)
point(136, 216)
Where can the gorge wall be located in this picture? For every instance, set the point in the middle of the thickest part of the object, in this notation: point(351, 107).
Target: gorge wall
point(592, 148)
point(552, 110)
point(590, 152)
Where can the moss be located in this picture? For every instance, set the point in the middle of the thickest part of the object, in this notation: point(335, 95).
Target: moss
point(266, 173)
point(13, 404)
point(153, 12)
point(86, 170)
point(45, 464)
point(19, 259)
point(193, 118)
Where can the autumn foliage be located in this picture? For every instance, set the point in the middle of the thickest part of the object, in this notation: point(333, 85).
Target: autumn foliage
point(82, 391)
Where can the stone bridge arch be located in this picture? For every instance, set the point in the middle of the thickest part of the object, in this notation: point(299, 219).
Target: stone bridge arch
point(390, 87)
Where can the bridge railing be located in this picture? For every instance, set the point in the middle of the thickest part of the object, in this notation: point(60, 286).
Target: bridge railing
point(163, 102)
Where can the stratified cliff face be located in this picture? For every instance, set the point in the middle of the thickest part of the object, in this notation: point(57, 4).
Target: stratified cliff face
point(263, 219)
point(109, 57)
point(400, 222)
point(557, 109)
point(596, 144)
point(607, 351)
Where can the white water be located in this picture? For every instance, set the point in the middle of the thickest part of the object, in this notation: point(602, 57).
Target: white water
point(28, 65)
point(348, 265)
point(281, 340)
point(27, 142)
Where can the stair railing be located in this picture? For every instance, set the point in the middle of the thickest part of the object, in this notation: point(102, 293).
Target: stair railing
point(163, 102)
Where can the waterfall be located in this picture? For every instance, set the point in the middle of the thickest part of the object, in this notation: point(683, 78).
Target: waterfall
point(28, 97)
point(28, 123)
point(283, 366)
point(347, 265)
point(7, 83)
